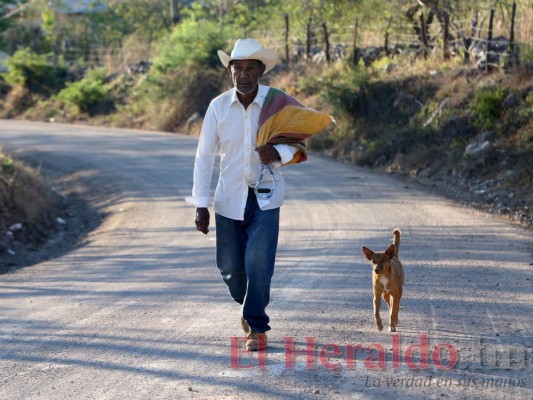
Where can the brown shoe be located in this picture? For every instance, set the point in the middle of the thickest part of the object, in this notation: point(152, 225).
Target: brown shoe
point(245, 326)
point(256, 341)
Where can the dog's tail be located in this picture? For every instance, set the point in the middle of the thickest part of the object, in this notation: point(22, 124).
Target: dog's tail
point(396, 241)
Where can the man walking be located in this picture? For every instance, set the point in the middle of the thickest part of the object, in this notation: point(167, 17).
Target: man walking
point(250, 187)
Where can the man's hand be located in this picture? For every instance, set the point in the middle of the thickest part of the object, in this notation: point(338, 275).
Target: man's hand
point(202, 220)
point(268, 154)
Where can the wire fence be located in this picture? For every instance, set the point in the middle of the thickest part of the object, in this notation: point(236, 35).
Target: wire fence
point(463, 36)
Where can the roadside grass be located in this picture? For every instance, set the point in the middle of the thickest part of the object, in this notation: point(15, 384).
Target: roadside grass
point(25, 199)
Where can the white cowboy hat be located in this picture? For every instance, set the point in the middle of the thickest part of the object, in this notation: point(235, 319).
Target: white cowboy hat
point(249, 49)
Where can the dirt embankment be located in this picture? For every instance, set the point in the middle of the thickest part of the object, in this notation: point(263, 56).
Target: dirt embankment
point(462, 132)
point(37, 222)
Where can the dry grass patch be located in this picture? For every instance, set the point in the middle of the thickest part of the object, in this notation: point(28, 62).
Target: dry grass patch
point(27, 208)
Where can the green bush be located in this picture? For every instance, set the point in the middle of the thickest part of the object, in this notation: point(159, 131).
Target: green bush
point(488, 104)
point(310, 84)
point(346, 88)
point(37, 72)
point(7, 162)
point(191, 43)
point(526, 54)
point(86, 94)
point(186, 73)
point(527, 111)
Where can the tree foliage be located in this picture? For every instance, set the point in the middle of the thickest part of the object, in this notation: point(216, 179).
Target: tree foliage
point(192, 42)
point(86, 94)
point(35, 71)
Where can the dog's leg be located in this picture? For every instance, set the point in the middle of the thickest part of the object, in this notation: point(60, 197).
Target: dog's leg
point(377, 306)
point(395, 308)
point(392, 315)
point(397, 303)
point(386, 297)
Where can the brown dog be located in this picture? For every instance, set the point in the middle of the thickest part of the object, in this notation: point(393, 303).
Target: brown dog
point(387, 279)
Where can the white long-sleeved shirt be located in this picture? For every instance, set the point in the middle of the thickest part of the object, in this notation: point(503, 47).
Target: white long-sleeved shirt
point(232, 129)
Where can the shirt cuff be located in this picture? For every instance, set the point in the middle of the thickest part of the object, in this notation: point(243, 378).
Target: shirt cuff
point(286, 152)
point(198, 201)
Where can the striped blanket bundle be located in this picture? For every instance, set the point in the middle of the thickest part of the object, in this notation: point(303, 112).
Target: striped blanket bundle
point(283, 120)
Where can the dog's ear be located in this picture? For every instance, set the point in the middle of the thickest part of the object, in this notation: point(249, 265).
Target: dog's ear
point(390, 251)
point(368, 253)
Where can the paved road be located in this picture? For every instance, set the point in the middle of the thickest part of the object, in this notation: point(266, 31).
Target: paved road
point(139, 311)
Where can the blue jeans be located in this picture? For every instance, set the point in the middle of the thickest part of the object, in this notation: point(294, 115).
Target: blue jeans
point(246, 252)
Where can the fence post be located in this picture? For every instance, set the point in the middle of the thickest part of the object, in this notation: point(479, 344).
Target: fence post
point(354, 54)
point(308, 42)
point(445, 47)
point(386, 41)
point(423, 34)
point(287, 56)
point(512, 55)
point(174, 11)
point(489, 38)
point(326, 40)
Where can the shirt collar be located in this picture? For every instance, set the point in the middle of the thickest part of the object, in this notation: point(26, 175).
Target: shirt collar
point(259, 98)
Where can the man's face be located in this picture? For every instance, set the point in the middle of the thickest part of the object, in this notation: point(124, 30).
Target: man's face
point(245, 75)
